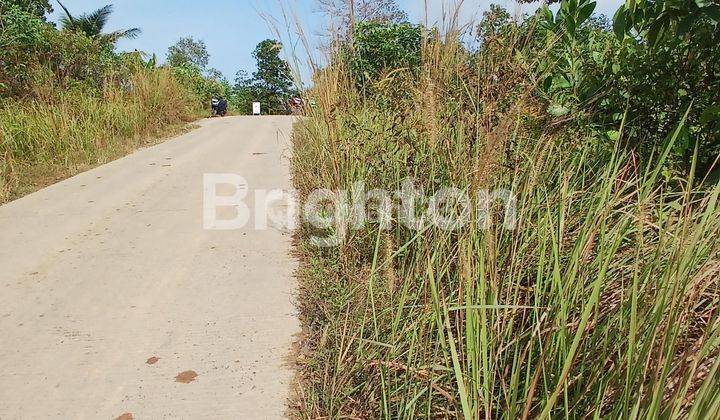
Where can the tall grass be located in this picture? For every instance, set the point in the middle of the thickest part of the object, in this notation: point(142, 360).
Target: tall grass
point(603, 302)
point(61, 132)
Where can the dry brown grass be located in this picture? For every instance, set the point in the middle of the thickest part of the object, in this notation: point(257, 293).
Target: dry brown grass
point(603, 303)
point(45, 140)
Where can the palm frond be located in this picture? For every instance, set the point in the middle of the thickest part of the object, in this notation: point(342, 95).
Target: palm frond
point(68, 17)
point(131, 33)
point(113, 37)
point(99, 18)
point(93, 24)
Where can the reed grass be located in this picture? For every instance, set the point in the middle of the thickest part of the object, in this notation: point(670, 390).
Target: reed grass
point(44, 140)
point(602, 303)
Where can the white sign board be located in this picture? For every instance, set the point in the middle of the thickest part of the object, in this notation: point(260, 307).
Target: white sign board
point(256, 108)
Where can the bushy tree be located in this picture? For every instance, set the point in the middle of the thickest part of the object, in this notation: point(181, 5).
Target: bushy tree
point(495, 23)
point(36, 58)
point(668, 63)
point(189, 59)
point(243, 92)
point(23, 35)
point(662, 60)
point(382, 11)
point(188, 52)
point(273, 73)
point(380, 46)
point(37, 7)
point(272, 82)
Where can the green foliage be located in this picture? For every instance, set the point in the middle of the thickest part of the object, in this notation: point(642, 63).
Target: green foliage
point(573, 68)
point(659, 20)
point(660, 59)
point(670, 60)
point(272, 83)
point(495, 23)
point(380, 47)
point(36, 56)
point(22, 36)
point(37, 7)
point(188, 52)
point(188, 59)
point(203, 88)
point(244, 93)
point(76, 58)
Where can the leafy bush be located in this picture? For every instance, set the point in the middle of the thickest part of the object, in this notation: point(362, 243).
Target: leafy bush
point(665, 61)
point(379, 47)
point(23, 36)
point(272, 83)
point(203, 88)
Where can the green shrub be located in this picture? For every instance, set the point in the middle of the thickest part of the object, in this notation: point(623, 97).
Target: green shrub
point(23, 36)
point(203, 88)
point(379, 47)
point(644, 81)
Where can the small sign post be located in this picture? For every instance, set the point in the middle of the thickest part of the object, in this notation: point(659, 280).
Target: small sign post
point(256, 108)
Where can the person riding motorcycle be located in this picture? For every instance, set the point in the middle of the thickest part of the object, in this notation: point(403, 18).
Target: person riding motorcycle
point(219, 106)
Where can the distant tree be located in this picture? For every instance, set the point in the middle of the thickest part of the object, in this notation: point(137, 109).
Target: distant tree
point(188, 52)
point(386, 11)
point(215, 74)
point(243, 92)
point(242, 80)
point(272, 71)
point(378, 11)
point(92, 24)
point(272, 81)
point(38, 7)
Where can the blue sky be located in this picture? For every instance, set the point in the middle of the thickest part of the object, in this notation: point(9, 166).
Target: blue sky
point(232, 28)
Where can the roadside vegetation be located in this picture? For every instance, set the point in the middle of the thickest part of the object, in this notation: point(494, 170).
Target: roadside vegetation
point(271, 84)
point(70, 101)
point(602, 302)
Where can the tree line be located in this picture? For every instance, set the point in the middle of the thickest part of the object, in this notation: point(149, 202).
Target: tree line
point(271, 84)
point(81, 52)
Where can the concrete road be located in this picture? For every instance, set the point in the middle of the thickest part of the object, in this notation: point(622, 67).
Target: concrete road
point(113, 296)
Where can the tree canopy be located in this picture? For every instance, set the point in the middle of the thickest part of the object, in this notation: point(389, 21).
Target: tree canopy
point(273, 73)
point(188, 52)
point(377, 11)
point(37, 7)
point(271, 84)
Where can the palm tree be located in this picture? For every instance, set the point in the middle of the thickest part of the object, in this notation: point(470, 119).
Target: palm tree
point(92, 24)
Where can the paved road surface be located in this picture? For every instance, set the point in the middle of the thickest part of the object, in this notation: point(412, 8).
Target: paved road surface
point(106, 270)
